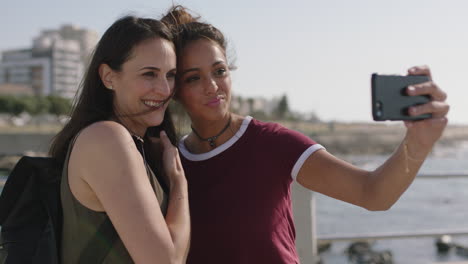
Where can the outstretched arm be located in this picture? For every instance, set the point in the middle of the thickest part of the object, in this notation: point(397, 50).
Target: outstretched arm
point(381, 188)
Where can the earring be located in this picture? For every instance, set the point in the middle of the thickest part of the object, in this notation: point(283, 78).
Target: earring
point(110, 87)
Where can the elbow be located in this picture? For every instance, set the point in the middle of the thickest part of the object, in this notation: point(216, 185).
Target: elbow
point(376, 206)
point(377, 203)
point(374, 199)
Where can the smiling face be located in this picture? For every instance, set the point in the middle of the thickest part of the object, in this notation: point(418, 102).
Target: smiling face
point(204, 82)
point(143, 85)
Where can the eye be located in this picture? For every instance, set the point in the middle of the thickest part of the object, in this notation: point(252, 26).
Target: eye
point(171, 75)
point(192, 78)
point(149, 74)
point(220, 72)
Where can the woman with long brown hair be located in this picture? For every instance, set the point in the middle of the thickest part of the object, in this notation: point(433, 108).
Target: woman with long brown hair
point(104, 147)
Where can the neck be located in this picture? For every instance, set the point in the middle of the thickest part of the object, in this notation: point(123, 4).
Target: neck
point(211, 133)
point(209, 128)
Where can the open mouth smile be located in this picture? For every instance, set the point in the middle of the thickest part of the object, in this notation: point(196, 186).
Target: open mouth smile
point(153, 104)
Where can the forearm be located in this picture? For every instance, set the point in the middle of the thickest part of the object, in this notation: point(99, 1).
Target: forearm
point(387, 183)
point(178, 219)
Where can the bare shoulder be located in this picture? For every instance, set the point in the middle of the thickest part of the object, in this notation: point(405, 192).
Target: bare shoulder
point(103, 143)
point(103, 132)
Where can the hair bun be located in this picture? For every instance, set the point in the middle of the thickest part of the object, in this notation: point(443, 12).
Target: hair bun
point(178, 15)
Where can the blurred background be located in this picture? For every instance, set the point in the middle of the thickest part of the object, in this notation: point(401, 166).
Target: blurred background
point(305, 64)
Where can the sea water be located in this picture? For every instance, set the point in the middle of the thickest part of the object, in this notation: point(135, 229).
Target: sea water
point(427, 205)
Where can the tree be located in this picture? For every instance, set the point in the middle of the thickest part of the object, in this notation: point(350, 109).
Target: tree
point(42, 105)
point(13, 106)
point(282, 110)
point(251, 104)
point(5, 104)
point(17, 105)
point(260, 115)
point(58, 105)
point(29, 104)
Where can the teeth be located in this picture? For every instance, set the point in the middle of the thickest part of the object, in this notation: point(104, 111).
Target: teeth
point(153, 103)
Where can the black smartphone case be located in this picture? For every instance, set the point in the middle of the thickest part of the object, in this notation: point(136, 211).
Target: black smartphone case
point(390, 100)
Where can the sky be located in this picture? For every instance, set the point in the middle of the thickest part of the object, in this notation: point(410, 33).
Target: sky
point(321, 54)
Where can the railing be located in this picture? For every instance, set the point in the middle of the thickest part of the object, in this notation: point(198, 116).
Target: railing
point(305, 221)
point(393, 235)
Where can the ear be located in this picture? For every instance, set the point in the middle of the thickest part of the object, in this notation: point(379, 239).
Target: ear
point(106, 74)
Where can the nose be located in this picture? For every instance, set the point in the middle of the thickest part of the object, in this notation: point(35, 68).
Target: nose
point(211, 87)
point(164, 88)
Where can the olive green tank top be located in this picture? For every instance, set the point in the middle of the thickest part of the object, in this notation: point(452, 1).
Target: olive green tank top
point(80, 223)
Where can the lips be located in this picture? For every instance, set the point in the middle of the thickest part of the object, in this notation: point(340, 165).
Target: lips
point(153, 103)
point(215, 101)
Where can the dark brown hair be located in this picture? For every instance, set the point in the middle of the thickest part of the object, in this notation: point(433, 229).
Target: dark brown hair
point(94, 102)
point(187, 28)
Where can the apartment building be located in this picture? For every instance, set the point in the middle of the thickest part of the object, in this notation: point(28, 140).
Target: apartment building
point(55, 63)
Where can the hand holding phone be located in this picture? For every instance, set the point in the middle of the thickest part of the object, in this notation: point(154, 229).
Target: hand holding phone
point(390, 100)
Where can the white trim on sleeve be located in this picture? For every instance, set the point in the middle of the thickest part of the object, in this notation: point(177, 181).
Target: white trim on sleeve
point(303, 158)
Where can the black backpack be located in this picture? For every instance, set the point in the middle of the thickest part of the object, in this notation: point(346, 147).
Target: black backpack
point(31, 216)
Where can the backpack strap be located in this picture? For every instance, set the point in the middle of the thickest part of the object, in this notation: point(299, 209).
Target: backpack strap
point(104, 238)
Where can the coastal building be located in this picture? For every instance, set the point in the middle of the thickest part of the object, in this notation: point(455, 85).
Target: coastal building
point(55, 63)
point(85, 38)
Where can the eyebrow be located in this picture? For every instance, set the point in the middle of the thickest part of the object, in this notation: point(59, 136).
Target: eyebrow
point(150, 68)
point(196, 69)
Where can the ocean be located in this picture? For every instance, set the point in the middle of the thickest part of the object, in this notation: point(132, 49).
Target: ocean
point(427, 205)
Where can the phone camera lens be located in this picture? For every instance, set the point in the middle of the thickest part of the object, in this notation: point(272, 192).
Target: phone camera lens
point(378, 109)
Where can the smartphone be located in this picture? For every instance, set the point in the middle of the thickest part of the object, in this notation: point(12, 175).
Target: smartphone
point(390, 100)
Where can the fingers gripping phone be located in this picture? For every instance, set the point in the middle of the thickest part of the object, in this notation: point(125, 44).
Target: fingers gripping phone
point(390, 100)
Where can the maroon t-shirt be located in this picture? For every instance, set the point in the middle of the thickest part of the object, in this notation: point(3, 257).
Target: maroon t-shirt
point(240, 196)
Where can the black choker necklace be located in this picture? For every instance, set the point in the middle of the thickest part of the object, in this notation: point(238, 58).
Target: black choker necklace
point(211, 140)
